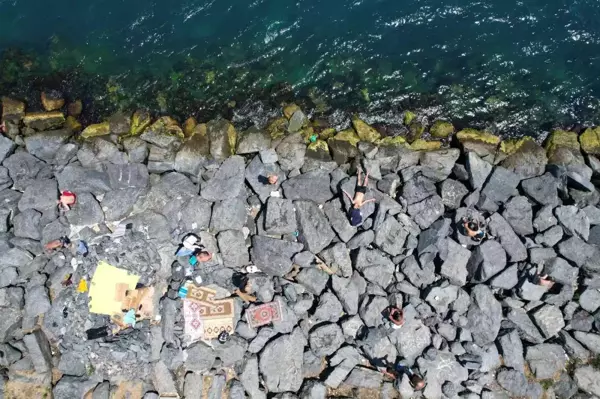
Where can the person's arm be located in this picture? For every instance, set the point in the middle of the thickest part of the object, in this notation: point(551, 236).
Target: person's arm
point(349, 196)
point(369, 200)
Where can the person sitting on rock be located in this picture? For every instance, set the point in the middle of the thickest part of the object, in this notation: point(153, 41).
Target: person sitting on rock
point(62, 242)
point(359, 200)
point(416, 381)
point(395, 316)
point(66, 200)
point(546, 281)
point(473, 229)
point(244, 287)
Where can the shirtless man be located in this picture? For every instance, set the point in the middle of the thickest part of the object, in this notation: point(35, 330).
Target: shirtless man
point(359, 200)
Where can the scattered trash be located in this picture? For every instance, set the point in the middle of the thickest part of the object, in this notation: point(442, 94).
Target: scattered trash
point(313, 138)
point(252, 269)
point(108, 288)
point(275, 194)
point(264, 314)
point(129, 318)
point(95, 333)
point(82, 248)
point(322, 266)
point(67, 281)
point(120, 230)
point(82, 286)
point(183, 291)
point(223, 337)
point(66, 200)
point(205, 317)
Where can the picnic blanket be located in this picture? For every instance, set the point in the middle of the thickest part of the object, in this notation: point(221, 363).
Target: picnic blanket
point(205, 317)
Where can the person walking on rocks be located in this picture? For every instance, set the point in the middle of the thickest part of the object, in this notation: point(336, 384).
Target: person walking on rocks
point(358, 200)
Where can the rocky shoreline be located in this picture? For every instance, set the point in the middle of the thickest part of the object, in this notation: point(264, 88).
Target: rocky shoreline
point(478, 320)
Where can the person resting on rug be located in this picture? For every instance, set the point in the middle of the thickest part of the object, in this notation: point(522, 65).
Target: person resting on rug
point(358, 201)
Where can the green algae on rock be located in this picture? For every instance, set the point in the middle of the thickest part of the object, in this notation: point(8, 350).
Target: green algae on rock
point(483, 143)
point(364, 131)
point(140, 120)
point(525, 157)
point(562, 148)
point(424, 145)
point(590, 141)
point(95, 130)
point(44, 120)
point(441, 129)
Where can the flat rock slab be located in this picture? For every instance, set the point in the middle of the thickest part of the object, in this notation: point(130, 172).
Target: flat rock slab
point(311, 186)
point(40, 195)
point(339, 220)
point(484, 315)
point(273, 256)
point(315, 230)
point(280, 216)
point(256, 175)
point(391, 236)
point(227, 182)
point(511, 243)
point(283, 373)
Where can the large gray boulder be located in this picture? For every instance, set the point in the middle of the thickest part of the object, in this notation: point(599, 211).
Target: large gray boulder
point(7, 146)
point(315, 231)
point(546, 360)
point(40, 194)
point(325, 339)
point(391, 236)
point(22, 167)
point(417, 189)
point(519, 214)
point(311, 186)
point(411, 340)
point(257, 173)
point(511, 243)
point(86, 212)
point(478, 169)
point(273, 256)
point(229, 214)
point(500, 187)
point(77, 179)
point(455, 259)
point(512, 351)
point(280, 216)
point(133, 175)
point(283, 373)
point(291, 152)
point(45, 145)
point(574, 221)
point(487, 260)
point(253, 140)
point(588, 379)
point(27, 225)
point(339, 220)
point(427, 211)
point(542, 189)
point(228, 181)
point(484, 315)
point(375, 266)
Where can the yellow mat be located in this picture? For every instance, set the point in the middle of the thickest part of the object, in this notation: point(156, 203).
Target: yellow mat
point(108, 288)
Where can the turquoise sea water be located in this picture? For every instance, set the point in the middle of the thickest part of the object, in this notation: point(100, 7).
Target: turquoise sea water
point(516, 66)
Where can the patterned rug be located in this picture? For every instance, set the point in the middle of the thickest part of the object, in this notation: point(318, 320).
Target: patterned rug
point(205, 317)
point(264, 314)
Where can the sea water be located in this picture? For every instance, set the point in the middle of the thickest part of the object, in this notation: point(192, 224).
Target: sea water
point(515, 66)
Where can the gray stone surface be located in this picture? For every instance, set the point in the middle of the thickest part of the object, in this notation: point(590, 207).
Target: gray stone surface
point(427, 211)
point(391, 236)
point(519, 214)
point(511, 243)
point(574, 221)
point(512, 351)
point(314, 228)
point(339, 220)
point(311, 186)
point(542, 189)
point(487, 260)
point(478, 170)
point(500, 186)
point(40, 194)
point(280, 216)
point(374, 266)
point(229, 214)
point(484, 315)
point(453, 192)
point(273, 256)
point(227, 182)
point(283, 373)
point(417, 189)
point(546, 360)
point(232, 245)
point(588, 380)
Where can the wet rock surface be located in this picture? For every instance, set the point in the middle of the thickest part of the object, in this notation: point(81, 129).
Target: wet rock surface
point(514, 314)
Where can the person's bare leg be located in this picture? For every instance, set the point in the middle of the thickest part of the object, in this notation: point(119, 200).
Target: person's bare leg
point(366, 179)
point(358, 177)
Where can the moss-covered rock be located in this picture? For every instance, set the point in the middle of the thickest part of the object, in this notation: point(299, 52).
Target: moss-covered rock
point(482, 143)
point(223, 138)
point(590, 141)
point(120, 123)
point(318, 150)
point(164, 132)
point(200, 130)
point(348, 135)
point(289, 110)
point(326, 134)
point(44, 120)
point(415, 131)
point(422, 145)
point(52, 100)
point(95, 130)
point(343, 151)
point(12, 109)
point(73, 124)
point(308, 134)
point(441, 129)
point(75, 108)
point(277, 128)
point(364, 131)
point(140, 120)
point(563, 148)
point(409, 116)
point(525, 157)
point(188, 126)
point(397, 141)
point(193, 154)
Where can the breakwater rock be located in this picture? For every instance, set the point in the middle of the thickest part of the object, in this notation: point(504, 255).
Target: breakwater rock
point(489, 248)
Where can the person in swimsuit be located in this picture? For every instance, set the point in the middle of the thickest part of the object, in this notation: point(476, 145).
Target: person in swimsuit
point(473, 229)
point(67, 199)
point(359, 200)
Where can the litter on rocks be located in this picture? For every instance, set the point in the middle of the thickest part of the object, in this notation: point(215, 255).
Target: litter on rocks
point(264, 314)
point(205, 317)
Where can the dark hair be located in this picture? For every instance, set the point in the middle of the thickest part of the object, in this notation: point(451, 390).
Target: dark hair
point(473, 226)
point(355, 217)
point(240, 280)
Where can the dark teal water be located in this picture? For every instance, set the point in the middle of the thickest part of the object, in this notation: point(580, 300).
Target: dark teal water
point(517, 66)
